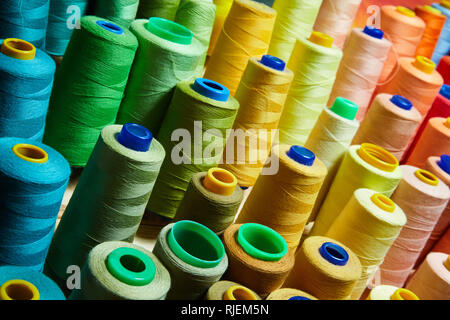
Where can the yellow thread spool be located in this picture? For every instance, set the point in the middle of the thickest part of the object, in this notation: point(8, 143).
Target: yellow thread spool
point(378, 157)
point(220, 181)
point(18, 290)
point(405, 11)
point(18, 49)
point(30, 153)
point(427, 177)
point(445, 4)
point(404, 294)
point(239, 293)
point(321, 39)
point(424, 64)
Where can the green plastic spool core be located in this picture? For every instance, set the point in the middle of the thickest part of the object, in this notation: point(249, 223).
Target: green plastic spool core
point(195, 244)
point(345, 108)
point(170, 30)
point(131, 266)
point(262, 242)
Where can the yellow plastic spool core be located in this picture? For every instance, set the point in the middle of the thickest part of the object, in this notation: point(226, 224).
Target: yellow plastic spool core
point(447, 263)
point(427, 177)
point(220, 181)
point(30, 153)
point(18, 49)
point(321, 39)
point(447, 123)
point(378, 157)
point(239, 293)
point(432, 9)
point(445, 4)
point(383, 202)
point(405, 11)
point(404, 294)
point(424, 64)
point(18, 290)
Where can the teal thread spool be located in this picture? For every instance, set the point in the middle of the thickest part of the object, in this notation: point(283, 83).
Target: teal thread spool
point(89, 86)
point(122, 12)
point(216, 110)
point(167, 54)
point(110, 198)
point(122, 271)
point(157, 8)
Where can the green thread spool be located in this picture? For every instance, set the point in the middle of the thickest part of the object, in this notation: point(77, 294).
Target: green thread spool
point(158, 8)
point(89, 86)
point(122, 12)
point(188, 107)
point(167, 54)
point(108, 202)
point(118, 270)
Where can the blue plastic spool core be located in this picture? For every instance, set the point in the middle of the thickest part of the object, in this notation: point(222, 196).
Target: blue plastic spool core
point(298, 298)
point(211, 89)
point(334, 253)
point(444, 163)
point(114, 28)
point(273, 62)
point(301, 155)
point(445, 91)
point(136, 137)
point(373, 32)
point(401, 102)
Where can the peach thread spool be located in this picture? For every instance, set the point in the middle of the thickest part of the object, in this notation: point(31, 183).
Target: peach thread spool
point(423, 198)
point(386, 292)
point(229, 290)
point(434, 23)
point(399, 118)
point(365, 53)
point(290, 294)
point(443, 245)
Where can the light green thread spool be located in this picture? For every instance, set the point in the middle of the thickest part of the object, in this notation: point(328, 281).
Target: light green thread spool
point(158, 8)
point(122, 12)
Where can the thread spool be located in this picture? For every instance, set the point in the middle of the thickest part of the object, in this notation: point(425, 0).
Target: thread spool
point(368, 225)
point(432, 280)
point(60, 17)
point(111, 195)
point(223, 8)
point(396, 113)
point(246, 33)
point(325, 268)
point(290, 294)
point(258, 257)
point(434, 23)
point(295, 19)
point(165, 9)
point(26, 79)
point(25, 20)
point(423, 198)
point(443, 245)
point(443, 45)
point(444, 69)
point(194, 256)
point(364, 166)
point(78, 110)
point(315, 63)
point(206, 101)
point(284, 201)
point(117, 270)
point(229, 290)
point(365, 53)
point(386, 292)
point(167, 54)
point(212, 199)
point(262, 93)
point(122, 12)
point(22, 283)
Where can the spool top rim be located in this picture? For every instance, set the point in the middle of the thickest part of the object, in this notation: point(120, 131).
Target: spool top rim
point(321, 39)
point(170, 31)
point(244, 293)
point(211, 89)
point(383, 202)
point(301, 155)
point(136, 137)
point(345, 108)
point(405, 11)
point(374, 32)
point(30, 153)
point(404, 294)
point(401, 102)
point(273, 62)
point(424, 64)
point(220, 181)
point(426, 177)
point(378, 157)
point(334, 253)
point(444, 163)
point(109, 26)
point(432, 10)
point(17, 289)
point(18, 49)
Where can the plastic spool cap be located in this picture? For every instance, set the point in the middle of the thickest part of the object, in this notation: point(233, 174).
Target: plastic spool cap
point(131, 266)
point(195, 244)
point(406, 12)
point(112, 27)
point(211, 89)
point(445, 91)
point(447, 263)
point(302, 155)
point(374, 32)
point(18, 290)
point(444, 163)
point(404, 294)
point(378, 157)
point(321, 39)
point(298, 298)
point(18, 49)
point(220, 181)
point(345, 108)
point(447, 123)
point(30, 153)
point(445, 4)
point(170, 31)
point(334, 253)
point(273, 62)
point(432, 10)
point(262, 242)
point(135, 137)
point(401, 102)
point(383, 202)
point(424, 64)
point(426, 177)
point(239, 293)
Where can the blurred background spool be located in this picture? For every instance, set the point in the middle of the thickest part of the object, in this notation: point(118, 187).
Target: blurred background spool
point(258, 257)
point(368, 225)
point(26, 79)
point(122, 12)
point(284, 201)
point(325, 268)
point(399, 120)
point(365, 53)
point(423, 198)
point(206, 101)
point(33, 178)
point(315, 63)
point(364, 166)
point(434, 23)
point(165, 9)
point(194, 256)
point(432, 280)
point(444, 68)
point(110, 198)
point(443, 45)
point(295, 19)
point(246, 33)
point(212, 199)
point(21, 283)
point(386, 292)
point(229, 290)
point(223, 8)
point(96, 65)
point(443, 245)
point(167, 54)
point(118, 270)
point(262, 93)
point(289, 294)
point(330, 139)
point(336, 18)
point(25, 20)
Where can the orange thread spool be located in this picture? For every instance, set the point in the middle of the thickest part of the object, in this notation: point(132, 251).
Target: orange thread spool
point(434, 23)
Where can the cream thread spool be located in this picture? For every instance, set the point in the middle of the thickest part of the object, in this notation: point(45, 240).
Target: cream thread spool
point(229, 290)
point(386, 292)
point(290, 294)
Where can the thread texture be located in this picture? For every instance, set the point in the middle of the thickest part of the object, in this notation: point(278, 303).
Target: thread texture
point(223, 8)
point(157, 8)
point(122, 12)
point(443, 45)
point(434, 23)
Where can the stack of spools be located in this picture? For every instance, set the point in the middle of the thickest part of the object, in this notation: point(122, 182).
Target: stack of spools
point(443, 45)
